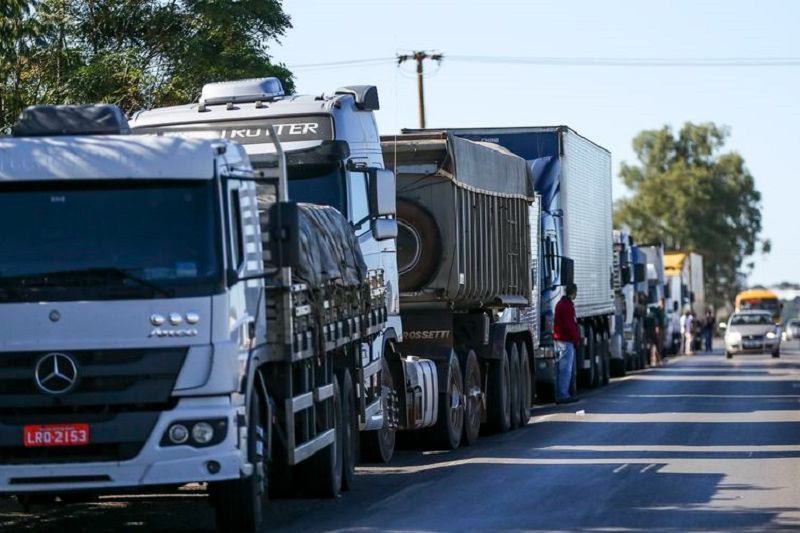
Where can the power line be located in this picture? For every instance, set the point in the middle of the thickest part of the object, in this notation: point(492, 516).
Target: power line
point(582, 61)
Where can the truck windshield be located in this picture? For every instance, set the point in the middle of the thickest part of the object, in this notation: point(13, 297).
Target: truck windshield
point(97, 241)
point(316, 184)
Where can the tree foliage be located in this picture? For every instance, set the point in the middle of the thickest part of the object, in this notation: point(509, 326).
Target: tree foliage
point(689, 196)
point(133, 53)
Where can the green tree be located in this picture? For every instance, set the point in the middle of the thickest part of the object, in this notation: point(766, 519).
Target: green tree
point(689, 196)
point(133, 53)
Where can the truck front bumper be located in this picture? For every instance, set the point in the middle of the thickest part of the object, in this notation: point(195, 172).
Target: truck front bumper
point(158, 463)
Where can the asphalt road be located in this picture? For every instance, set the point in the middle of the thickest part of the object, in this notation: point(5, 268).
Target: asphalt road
point(699, 444)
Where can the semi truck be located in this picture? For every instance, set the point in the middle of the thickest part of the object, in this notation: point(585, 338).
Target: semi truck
point(333, 155)
point(468, 251)
point(628, 343)
point(177, 319)
point(572, 175)
point(656, 289)
point(685, 286)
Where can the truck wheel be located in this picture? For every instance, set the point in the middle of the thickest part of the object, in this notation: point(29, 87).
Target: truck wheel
point(526, 392)
point(378, 446)
point(499, 391)
point(239, 503)
point(514, 368)
point(776, 353)
point(349, 431)
point(321, 474)
point(446, 433)
point(473, 398)
point(419, 245)
point(728, 355)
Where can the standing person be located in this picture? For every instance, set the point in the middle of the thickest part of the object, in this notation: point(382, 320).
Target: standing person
point(651, 330)
point(687, 325)
point(567, 338)
point(708, 329)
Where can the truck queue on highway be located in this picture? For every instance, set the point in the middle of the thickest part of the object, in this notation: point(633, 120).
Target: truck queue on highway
point(257, 291)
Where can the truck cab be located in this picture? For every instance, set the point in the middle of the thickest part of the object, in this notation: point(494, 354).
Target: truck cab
point(116, 261)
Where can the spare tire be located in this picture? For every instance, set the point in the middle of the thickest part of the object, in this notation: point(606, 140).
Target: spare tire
point(419, 245)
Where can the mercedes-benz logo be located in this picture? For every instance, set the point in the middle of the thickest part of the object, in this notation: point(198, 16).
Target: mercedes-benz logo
point(56, 373)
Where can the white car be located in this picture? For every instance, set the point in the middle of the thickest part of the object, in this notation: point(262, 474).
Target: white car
point(752, 332)
point(792, 329)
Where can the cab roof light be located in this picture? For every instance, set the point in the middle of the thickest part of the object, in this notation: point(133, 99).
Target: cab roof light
point(59, 120)
point(230, 92)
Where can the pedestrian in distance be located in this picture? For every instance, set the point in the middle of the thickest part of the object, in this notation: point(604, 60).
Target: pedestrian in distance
point(687, 324)
point(708, 329)
point(652, 331)
point(567, 339)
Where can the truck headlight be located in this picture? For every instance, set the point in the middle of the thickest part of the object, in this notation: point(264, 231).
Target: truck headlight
point(202, 433)
point(771, 335)
point(178, 434)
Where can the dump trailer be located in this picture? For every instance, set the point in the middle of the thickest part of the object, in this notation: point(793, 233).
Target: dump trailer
point(176, 319)
point(467, 258)
point(572, 175)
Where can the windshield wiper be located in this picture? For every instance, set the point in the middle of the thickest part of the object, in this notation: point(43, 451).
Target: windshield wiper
point(78, 278)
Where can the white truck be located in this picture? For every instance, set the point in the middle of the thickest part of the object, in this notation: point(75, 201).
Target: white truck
point(685, 287)
point(176, 319)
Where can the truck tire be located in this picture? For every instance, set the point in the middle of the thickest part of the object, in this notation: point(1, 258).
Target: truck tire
point(419, 245)
point(378, 446)
point(239, 503)
point(447, 432)
point(526, 389)
point(514, 369)
point(321, 474)
point(473, 398)
point(776, 353)
point(349, 430)
point(498, 408)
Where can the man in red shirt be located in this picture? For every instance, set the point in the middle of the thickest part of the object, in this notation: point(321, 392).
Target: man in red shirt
point(567, 337)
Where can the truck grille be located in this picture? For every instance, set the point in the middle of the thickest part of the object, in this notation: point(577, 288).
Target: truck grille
point(118, 393)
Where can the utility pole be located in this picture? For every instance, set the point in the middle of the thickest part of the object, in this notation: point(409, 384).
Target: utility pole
point(419, 57)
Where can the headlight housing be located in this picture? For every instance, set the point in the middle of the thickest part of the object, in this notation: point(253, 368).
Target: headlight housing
point(771, 334)
point(733, 337)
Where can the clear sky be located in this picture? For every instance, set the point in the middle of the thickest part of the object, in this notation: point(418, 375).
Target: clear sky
point(607, 103)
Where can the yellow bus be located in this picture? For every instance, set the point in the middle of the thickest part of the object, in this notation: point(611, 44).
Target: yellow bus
point(760, 299)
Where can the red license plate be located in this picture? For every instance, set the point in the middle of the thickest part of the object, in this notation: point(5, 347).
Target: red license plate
point(56, 435)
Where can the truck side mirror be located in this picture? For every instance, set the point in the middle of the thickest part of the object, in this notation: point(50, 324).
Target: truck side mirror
point(567, 271)
point(382, 193)
point(284, 220)
point(675, 306)
point(383, 228)
point(639, 272)
point(625, 273)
